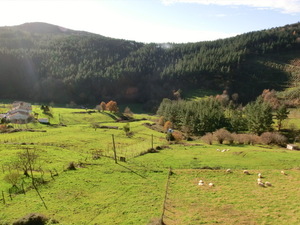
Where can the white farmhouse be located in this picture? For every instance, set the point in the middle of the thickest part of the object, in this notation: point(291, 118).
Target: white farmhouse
point(20, 112)
point(22, 106)
point(18, 117)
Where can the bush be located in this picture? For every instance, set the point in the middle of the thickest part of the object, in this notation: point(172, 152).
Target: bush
point(71, 166)
point(251, 139)
point(170, 137)
point(34, 219)
point(269, 138)
point(168, 125)
point(161, 121)
point(178, 136)
point(238, 138)
point(208, 138)
point(221, 135)
point(12, 178)
point(3, 128)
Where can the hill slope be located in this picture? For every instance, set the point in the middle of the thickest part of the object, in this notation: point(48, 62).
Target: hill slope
point(43, 62)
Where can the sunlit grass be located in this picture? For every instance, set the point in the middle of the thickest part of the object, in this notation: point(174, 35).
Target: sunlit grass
point(100, 191)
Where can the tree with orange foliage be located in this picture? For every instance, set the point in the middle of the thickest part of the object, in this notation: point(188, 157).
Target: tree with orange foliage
point(102, 106)
point(112, 106)
point(168, 125)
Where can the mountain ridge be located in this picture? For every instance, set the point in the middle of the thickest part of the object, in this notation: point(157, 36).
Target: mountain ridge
point(62, 65)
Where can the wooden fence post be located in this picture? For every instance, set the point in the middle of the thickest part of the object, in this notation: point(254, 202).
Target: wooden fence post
point(114, 148)
point(152, 141)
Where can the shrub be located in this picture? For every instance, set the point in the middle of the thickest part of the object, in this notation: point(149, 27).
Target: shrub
point(269, 138)
point(71, 166)
point(238, 138)
point(3, 128)
point(178, 136)
point(221, 135)
point(168, 125)
point(34, 218)
point(170, 137)
point(208, 138)
point(128, 112)
point(161, 121)
point(251, 139)
point(126, 129)
point(12, 178)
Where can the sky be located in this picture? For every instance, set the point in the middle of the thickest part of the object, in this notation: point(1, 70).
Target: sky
point(158, 21)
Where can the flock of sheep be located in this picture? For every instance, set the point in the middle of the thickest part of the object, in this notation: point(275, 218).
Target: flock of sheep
point(259, 179)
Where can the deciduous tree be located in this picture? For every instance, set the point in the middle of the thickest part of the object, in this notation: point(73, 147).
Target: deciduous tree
point(112, 106)
point(102, 106)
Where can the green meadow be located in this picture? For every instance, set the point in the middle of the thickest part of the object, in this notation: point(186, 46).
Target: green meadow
point(147, 186)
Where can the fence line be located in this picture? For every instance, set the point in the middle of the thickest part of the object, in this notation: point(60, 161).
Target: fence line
point(166, 196)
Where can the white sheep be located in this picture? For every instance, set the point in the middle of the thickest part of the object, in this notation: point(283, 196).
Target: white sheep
point(259, 175)
point(211, 184)
point(268, 184)
point(246, 172)
point(201, 182)
point(228, 171)
point(258, 180)
point(282, 172)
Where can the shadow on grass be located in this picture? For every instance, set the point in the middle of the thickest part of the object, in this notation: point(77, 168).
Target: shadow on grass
point(131, 170)
point(110, 115)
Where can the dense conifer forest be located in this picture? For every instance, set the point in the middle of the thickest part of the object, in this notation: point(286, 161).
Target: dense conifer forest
point(46, 63)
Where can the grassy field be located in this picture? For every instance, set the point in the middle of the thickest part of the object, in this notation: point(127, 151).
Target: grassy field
point(100, 191)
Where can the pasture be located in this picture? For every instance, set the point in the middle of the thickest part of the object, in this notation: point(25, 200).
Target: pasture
point(142, 189)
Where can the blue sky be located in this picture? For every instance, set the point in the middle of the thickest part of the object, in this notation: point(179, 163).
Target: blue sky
point(178, 21)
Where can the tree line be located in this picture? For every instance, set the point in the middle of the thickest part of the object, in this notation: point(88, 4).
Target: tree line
point(210, 114)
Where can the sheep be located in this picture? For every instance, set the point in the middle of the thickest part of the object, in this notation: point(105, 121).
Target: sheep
point(201, 182)
point(259, 175)
point(211, 184)
point(282, 172)
point(246, 172)
point(268, 184)
point(228, 171)
point(261, 184)
point(218, 150)
point(258, 180)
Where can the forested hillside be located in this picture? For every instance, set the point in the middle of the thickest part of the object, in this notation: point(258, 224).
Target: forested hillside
point(46, 63)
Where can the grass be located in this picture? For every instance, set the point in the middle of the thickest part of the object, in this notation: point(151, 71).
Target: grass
point(293, 120)
point(132, 192)
point(235, 199)
point(197, 94)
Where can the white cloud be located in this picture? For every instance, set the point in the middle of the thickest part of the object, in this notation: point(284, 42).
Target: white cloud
point(284, 6)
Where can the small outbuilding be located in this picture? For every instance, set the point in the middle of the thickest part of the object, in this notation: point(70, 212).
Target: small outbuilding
point(43, 120)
